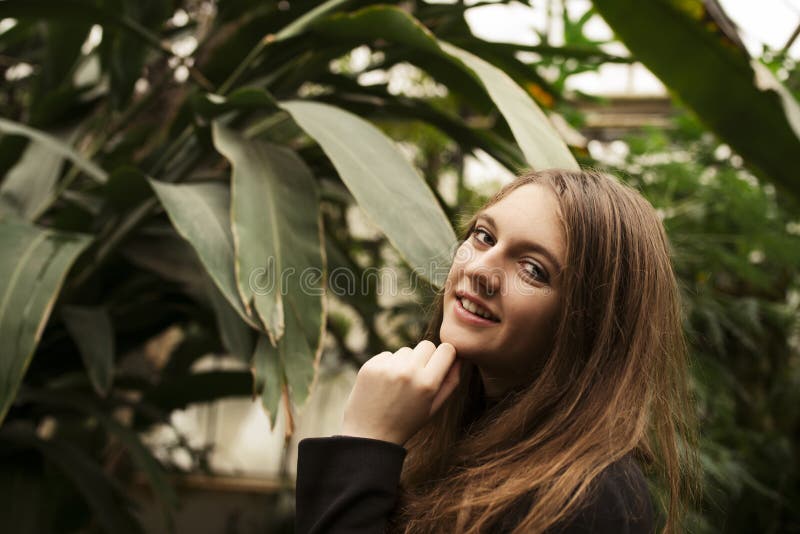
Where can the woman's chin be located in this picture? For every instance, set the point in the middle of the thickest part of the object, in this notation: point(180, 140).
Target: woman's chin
point(465, 347)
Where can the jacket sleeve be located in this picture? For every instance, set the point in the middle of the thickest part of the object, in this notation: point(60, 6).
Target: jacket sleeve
point(346, 484)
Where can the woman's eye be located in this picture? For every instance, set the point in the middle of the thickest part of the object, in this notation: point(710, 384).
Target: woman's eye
point(477, 231)
point(536, 272)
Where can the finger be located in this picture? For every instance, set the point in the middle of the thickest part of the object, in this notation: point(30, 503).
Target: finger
point(378, 359)
point(448, 386)
point(403, 355)
point(440, 362)
point(423, 352)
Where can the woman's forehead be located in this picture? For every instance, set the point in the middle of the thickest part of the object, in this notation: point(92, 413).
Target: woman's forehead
point(528, 215)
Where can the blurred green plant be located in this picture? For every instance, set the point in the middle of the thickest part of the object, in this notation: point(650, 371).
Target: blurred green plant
point(736, 249)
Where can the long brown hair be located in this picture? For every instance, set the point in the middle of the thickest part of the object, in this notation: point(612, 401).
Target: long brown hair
point(615, 383)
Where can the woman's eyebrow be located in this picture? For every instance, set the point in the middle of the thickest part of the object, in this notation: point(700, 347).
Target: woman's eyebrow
point(526, 244)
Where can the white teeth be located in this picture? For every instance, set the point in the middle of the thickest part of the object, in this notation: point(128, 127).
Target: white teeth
point(474, 308)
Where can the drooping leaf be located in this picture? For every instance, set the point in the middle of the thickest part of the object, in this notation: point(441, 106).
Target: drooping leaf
point(389, 190)
point(280, 262)
point(268, 377)
point(201, 214)
point(93, 333)
point(377, 101)
point(58, 147)
point(33, 266)
point(277, 237)
point(540, 143)
point(685, 46)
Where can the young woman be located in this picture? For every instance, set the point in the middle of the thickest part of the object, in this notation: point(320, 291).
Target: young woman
point(552, 377)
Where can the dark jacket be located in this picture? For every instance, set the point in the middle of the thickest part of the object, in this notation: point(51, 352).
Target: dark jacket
point(349, 485)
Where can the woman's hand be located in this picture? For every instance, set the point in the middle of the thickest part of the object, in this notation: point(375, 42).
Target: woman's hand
point(395, 394)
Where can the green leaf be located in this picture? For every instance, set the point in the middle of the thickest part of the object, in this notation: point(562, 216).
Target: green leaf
point(389, 190)
point(540, 143)
point(93, 333)
point(417, 46)
point(268, 377)
point(766, 81)
point(200, 214)
point(237, 336)
point(737, 98)
point(277, 234)
point(33, 266)
point(55, 145)
point(298, 357)
point(29, 186)
point(277, 229)
point(376, 101)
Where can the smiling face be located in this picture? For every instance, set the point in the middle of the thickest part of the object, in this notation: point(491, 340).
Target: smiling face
point(509, 265)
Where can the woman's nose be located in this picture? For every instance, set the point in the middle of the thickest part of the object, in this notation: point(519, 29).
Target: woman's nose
point(485, 271)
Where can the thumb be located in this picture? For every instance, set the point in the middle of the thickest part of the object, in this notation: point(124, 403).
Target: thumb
point(449, 384)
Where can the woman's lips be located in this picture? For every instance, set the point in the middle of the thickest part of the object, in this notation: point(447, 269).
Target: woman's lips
point(468, 317)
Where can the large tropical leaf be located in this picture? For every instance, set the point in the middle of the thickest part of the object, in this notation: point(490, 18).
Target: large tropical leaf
point(33, 266)
point(741, 101)
point(386, 186)
point(201, 214)
point(540, 143)
point(279, 259)
point(275, 242)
